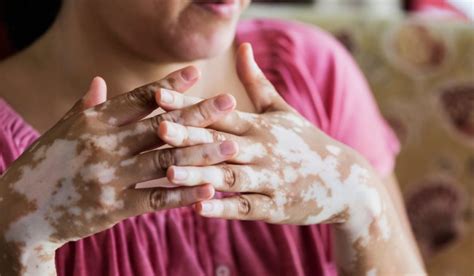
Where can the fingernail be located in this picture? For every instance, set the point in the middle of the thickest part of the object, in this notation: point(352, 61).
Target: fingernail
point(227, 148)
point(224, 102)
point(171, 131)
point(206, 207)
point(166, 96)
point(190, 74)
point(179, 173)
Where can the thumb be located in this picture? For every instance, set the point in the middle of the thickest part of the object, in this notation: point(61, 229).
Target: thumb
point(96, 94)
point(259, 89)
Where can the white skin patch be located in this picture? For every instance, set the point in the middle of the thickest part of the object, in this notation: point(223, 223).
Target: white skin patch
point(112, 121)
point(36, 226)
point(173, 197)
point(295, 151)
point(372, 272)
point(198, 134)
point(384, 227)
point(256, 177)
point(108, 196)
point(101, 171)
point(290, 174)
point(127, 162)
point(111, 142)
point(295, 120)
point(333, 149)
point(91, 113)
point(280, 201)
point(252, 152)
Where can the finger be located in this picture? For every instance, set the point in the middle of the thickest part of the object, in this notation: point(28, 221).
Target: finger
point(224, 178)
point(140, 201)
point(135, 105)
point(242, 207)
point(96, 94)
point(233, 122)
point(258, 87)
point(171, 100)
point(178, 135)
point(201, 114)
point(153, 164)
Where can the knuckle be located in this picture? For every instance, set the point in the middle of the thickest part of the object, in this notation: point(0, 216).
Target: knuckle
point(244, 206)
point(155, 122)
point(203, 112)
point(164, 159)
point(217, 136)
point(157, 200)
point(169, 117)
point(229, 176)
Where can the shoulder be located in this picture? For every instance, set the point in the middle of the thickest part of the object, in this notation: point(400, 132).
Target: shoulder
point(308, 49)
point(300, 40)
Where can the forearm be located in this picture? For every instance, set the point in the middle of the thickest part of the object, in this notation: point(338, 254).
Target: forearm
point(19, 253)
point(16, 260)
point(387, 248)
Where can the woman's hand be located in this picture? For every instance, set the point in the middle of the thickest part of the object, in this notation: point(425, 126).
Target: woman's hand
point(78, 178)
point(289, 172)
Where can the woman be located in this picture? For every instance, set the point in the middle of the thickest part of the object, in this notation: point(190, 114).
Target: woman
point(78, 178)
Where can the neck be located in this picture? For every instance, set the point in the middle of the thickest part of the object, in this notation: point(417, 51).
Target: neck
point(75, 50)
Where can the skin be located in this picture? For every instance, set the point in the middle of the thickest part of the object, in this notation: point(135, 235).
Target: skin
point(96, 161)
point(104, 157)
point(289, 172)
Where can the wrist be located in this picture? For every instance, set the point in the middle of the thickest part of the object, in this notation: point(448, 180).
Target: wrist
point(369, 204)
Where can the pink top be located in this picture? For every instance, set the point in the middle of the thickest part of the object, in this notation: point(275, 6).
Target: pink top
point(317, 77)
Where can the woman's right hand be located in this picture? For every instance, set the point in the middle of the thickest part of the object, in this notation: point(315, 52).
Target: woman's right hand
point(78, 178)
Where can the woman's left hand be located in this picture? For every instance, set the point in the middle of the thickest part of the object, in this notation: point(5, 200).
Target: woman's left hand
point(287, 171)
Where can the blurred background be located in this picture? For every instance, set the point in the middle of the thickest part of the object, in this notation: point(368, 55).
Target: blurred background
point(418, 56)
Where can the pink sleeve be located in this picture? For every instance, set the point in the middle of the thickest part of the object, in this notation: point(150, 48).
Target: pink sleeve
point(15, 135)
point(353, 115)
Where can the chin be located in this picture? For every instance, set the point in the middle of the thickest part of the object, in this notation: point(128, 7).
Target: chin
point(198, 47)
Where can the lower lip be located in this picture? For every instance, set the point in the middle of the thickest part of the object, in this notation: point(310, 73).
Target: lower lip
point(225, 10)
